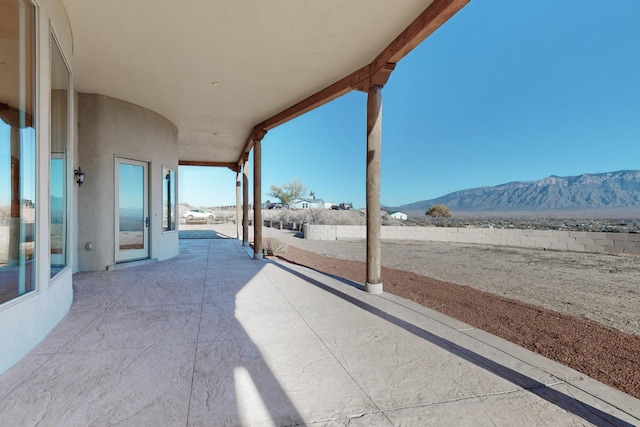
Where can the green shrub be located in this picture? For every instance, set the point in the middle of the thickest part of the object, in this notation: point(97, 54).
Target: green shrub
point(438, 211)
point(273, 247)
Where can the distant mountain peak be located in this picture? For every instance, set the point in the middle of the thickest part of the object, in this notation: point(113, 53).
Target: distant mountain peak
point(590, 191)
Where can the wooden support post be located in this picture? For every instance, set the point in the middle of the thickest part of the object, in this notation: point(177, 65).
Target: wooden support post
point(238, 202)
point(374, 145)
point(245, 202)
point(257, 194)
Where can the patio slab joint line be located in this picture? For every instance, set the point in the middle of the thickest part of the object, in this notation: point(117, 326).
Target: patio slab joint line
point(195, 353)
point(379, 410)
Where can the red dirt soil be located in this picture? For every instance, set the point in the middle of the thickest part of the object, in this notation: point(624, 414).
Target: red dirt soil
point(609, 356)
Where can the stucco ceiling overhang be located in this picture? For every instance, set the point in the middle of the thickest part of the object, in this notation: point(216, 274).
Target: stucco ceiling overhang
point(218, 68)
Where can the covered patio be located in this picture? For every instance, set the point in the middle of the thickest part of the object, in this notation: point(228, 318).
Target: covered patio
point(104, 101)
point(215, 337)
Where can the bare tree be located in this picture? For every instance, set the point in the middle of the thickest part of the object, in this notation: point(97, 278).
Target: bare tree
point(288, 192)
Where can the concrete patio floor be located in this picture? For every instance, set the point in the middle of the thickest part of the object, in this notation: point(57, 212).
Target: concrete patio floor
point(214, 338)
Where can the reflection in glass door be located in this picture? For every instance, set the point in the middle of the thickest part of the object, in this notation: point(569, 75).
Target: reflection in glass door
point(58, 217)
point(132, 216)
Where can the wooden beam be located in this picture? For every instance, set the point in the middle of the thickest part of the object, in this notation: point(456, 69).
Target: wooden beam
point(439, 12)
point(243, 160)
point(352, 81)
point(380, 77)
point(362, 86)
point(257, 134)
point(13, 117)
point(230, 165)
point(327, 94)
point(375, 73)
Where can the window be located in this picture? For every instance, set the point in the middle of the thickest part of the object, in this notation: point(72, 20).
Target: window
point(58, 210)
point(17, 149)
point(168, 199)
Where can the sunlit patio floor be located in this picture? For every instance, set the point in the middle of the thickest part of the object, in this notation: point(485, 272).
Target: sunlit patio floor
point(215, 338)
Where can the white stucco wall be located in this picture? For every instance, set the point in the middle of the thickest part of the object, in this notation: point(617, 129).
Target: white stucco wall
point(110, 128)
point(28, 319)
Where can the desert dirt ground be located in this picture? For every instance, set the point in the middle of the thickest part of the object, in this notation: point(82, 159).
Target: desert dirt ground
point(581, 309)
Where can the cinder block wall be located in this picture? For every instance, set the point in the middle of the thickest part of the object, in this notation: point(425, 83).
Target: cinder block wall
point(578, 241)
point(4, 243)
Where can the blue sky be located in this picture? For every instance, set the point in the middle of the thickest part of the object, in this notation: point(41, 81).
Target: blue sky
point(504, 91)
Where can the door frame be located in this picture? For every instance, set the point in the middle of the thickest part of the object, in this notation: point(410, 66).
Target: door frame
point(131, 254)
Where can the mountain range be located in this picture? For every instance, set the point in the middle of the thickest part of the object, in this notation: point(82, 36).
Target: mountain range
point(604, 193)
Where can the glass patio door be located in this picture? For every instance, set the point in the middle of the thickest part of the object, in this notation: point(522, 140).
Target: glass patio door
point(58, 217)
point(132, 210)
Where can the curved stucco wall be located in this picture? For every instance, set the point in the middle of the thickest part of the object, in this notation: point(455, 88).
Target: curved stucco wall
point(109, 128)
point(27, 320)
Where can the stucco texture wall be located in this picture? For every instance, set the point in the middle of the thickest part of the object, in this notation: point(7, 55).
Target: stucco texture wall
point(109, 128)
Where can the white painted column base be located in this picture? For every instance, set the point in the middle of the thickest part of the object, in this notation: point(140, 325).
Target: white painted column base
point(373, 288)
point(258, 256)
point(245, 243)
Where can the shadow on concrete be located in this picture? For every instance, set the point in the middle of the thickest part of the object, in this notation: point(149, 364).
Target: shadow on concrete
point(201, 234)
point(570, 404)
point(237, 376)
point(230, 372)
point(127, 351)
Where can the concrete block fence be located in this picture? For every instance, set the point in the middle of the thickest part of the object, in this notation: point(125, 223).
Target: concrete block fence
point(578, 241)
point(4, 243)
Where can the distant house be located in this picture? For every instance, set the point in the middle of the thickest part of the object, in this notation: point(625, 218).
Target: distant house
point(399, 215)
point(307, 204)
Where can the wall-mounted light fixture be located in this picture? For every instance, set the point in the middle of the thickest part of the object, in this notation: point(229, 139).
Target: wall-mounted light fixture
point(79, 176)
